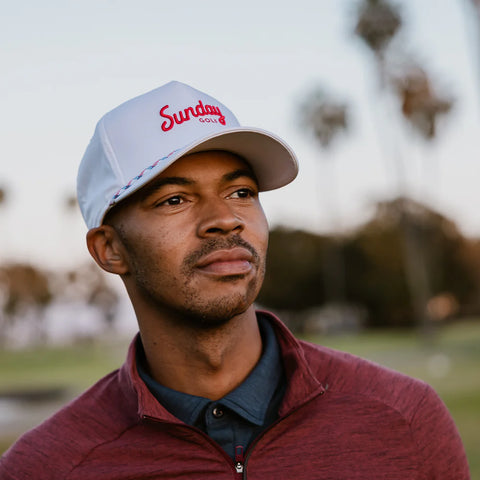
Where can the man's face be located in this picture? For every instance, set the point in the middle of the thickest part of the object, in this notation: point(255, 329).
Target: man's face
point(196, 239)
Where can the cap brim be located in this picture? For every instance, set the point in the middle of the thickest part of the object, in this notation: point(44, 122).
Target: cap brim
point(272, 160)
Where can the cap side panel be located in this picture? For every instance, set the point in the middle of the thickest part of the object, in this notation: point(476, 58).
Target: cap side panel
point(109, 151)
point(96, 182)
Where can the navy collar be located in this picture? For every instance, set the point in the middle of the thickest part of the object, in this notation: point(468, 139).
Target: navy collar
point(250, 400)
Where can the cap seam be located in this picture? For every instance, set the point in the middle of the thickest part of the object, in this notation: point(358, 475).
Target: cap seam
point(110, 152)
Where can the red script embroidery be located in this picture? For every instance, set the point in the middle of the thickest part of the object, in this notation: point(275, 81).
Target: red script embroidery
point(200, 110)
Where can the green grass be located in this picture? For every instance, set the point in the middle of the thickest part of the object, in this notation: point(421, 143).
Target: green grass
point(75, 367)
point(451, 365)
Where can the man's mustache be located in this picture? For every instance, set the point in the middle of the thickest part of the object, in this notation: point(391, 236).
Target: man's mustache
point(213, 244)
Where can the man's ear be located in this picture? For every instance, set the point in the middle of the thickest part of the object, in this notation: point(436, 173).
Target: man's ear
point(107, 249)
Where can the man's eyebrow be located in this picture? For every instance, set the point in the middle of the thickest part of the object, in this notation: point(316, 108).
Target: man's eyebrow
point(159, 183)
point(239, 173)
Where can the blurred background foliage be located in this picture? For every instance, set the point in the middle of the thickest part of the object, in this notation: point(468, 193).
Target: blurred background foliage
point(375, 280)
point(371, 282)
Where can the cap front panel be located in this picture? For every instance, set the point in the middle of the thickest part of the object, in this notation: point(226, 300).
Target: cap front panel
point(149, 128)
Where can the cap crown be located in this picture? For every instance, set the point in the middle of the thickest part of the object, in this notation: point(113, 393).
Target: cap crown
point(136, 141)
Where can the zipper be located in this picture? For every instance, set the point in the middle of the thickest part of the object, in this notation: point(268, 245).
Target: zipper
point(238, 464)
point(239, 459)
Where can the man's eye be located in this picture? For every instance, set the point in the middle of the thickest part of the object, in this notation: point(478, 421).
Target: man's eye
point(172, 201)
point(243, 193)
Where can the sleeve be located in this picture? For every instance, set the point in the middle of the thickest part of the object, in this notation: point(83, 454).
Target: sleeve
point(438, 440)
point(47, 452)
point(28, 459)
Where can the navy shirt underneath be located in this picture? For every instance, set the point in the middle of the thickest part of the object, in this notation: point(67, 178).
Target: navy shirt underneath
point(236, 419)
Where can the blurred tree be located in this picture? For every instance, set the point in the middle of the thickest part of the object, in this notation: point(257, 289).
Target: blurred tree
point(3, 196)
point(26, 292)
point(420, 105)
point(325, 118)
point(294, 273)
point(23, 288)
point(71, 202)
point(378, 21)
point(378, 276)
point(377, 24)
point(87, 284)
point(3, 199)
point(374, 258)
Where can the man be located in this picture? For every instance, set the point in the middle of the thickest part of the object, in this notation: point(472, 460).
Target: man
point(212, 388)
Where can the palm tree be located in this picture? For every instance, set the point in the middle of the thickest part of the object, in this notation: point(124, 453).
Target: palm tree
point(26, 289)
point(325, 118)
point(378, 22)
point(420, 104)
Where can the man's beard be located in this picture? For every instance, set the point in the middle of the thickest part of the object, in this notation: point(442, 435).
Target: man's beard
point(194, 310)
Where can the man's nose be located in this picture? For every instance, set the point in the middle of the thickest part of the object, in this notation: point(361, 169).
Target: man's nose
point(217, 217)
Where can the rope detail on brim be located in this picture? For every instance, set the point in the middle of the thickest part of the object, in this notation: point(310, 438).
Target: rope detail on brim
point(139, 176)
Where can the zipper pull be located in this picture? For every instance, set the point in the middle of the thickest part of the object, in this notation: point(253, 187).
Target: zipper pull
point(239, 459)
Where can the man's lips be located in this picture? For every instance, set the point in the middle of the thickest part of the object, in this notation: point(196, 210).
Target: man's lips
point(233, 261)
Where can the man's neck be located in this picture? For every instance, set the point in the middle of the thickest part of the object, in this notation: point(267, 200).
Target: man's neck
point(203, 362)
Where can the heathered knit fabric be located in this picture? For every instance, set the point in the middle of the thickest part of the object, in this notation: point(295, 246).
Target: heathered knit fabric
point(342, 418)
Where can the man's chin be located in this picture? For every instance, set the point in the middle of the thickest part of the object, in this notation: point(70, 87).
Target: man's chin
point(216, 314)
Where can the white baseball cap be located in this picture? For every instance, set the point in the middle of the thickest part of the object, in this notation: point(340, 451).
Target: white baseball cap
point(139, 139)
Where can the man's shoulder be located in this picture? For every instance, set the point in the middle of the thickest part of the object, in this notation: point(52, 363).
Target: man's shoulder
point(356, 380)
point(60, 443)
point(346, 374)
point(367, 392)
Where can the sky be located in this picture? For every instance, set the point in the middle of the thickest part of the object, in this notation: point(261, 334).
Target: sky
point(64, 63)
